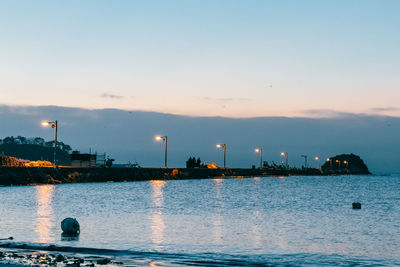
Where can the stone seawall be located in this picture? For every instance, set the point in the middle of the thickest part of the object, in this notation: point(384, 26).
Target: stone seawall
point(27, 176)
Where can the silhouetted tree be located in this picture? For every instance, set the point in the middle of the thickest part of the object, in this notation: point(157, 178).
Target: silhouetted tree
point(21, 140)
point(38, 141)
point(9, 140)
point(193, 163)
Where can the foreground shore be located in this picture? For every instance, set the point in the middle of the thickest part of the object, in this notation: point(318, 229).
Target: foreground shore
point(29, 257)
point(29, 176)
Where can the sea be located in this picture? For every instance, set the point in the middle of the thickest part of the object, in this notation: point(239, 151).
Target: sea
point(261, 221)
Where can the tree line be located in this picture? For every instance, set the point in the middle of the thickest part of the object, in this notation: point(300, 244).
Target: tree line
point(38, 141)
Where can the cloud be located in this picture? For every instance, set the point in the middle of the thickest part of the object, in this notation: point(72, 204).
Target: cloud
point(223, 99)
point(112, 96)
point(385, 109)
point(325, 113)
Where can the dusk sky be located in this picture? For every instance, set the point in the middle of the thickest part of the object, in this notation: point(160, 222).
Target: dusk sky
point(203, 58)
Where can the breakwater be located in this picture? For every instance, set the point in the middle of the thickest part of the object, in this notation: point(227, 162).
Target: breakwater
point(38, 175)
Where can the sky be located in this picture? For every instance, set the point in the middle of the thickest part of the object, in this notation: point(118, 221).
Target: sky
point(203, 58)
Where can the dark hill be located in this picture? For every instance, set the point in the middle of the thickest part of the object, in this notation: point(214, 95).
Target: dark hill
point(34, 149)
point(345, 163)
point(35, 152)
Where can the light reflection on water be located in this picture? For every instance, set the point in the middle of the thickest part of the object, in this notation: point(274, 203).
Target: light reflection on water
point(44, 220)
point(218, 219)
point(157, 227)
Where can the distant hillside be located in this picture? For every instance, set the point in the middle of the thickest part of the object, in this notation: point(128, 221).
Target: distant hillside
point(34, 149)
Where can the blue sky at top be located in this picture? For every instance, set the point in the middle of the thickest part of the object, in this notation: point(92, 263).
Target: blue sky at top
point(229, 58)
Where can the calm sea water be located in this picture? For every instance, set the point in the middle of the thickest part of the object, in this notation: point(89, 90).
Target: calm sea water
point(277, 221)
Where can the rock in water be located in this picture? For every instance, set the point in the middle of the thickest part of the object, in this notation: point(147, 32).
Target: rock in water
point(70, 226)
point(356, 205)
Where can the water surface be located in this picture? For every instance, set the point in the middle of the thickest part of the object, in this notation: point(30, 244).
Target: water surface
point(291, 220)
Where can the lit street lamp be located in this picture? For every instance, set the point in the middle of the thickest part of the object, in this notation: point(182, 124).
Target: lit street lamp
point(224, 147)
point(347, 163)
point(338, 161)
point(319, 162)
point(330, 162)
point(165, 140)
point(285, 154)
point(259, 150)
point(53, 125)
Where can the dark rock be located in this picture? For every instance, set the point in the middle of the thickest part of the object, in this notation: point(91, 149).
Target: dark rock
point(345, 164)
point(60, 258)
point(356, 205)
point(103, 261)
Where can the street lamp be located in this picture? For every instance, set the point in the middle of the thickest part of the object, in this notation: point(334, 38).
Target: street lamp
point(285, 154)
point(330, 162)
point(338, 161)
point(224, 147)
point(259, 150)
point(165, 140)
point(305, 160)
point(53, 125)
point(347, 163)
point(319, 162)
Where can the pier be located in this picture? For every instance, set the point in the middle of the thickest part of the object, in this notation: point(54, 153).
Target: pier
point(48, 175)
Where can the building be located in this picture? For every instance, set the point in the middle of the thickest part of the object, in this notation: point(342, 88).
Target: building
point(79, 160)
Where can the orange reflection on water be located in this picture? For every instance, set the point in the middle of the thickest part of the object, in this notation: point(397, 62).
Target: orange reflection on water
point(44, 213)
point(157, 227)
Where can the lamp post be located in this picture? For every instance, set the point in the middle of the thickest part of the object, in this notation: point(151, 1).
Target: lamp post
point(347, 163)
point(319, 162)
point(338, 161)
point(259, 150)
point(305, 160)
point(285, 154)
point(165, 140)
point(53, 125)
point(224, 147)
point(330, 162)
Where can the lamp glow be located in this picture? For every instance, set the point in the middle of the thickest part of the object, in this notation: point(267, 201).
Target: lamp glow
point(259, 150)
point(54, 125)
point(164, 138)
point(224, 147)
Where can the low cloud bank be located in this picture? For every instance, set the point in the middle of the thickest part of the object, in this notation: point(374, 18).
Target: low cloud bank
point(129, 136)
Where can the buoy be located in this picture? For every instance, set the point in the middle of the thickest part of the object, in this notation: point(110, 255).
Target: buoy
point(70, 226)
point(356, 205)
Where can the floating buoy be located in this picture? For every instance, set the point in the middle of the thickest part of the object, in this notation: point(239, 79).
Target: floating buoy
point(70, 226)
point(356, 205)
